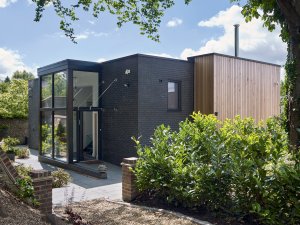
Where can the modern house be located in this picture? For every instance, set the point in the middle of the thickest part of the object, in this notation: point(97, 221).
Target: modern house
point(81, 110)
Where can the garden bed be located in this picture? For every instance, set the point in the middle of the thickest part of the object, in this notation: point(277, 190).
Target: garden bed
point(15, 212)
point(110, 213)
point(197, 213)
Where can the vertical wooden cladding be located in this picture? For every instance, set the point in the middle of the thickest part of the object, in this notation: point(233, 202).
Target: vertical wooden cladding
point(204, 84)
point(235, 86)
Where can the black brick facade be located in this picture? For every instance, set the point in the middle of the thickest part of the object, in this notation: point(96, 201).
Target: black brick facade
point(134, 105)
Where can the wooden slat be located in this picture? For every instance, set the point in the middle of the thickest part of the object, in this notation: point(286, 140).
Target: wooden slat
point(203, 85)
point(234, 86)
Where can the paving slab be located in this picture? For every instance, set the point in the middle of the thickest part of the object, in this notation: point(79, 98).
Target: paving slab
point(82, 187)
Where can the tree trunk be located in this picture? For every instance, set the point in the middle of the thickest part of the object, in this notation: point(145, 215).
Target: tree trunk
point(291, 12)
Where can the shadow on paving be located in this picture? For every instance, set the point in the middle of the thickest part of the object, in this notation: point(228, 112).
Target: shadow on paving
point(114, 175)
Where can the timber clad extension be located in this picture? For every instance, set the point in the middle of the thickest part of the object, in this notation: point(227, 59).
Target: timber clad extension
point(229, 86)
point(102, 105)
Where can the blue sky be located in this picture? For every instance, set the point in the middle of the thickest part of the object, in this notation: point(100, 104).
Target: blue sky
point(201, 27)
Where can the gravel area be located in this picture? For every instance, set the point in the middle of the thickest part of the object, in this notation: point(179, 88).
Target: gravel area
point(15, 212)
point(110, 213)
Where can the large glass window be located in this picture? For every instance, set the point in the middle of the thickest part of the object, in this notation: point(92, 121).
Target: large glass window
point(53, 120)
point(46, 133)
point(46, 93)
point(85, 89)
point(60, 90)
point(60, 135)
point(173, 96)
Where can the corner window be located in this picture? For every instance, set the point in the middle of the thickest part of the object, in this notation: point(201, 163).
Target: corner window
point(173, 95)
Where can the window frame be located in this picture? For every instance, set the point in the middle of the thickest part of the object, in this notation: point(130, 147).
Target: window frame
point(178, 82)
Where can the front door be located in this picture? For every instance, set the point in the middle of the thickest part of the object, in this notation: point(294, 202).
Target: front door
point(87, 135)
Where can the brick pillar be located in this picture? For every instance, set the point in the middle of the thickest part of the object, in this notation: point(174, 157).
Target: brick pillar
point(42, 184)
point(129, 189)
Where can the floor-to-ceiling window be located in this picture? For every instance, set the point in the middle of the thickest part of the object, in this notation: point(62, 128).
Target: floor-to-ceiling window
point(85, 116)
point(53, 115)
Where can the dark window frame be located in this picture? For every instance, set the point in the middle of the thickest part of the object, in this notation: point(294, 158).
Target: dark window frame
point(51, 109)
point(178, 82)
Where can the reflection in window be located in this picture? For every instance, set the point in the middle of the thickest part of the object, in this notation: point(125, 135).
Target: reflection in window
point(46, 95)
point(46, 133)
point(60, 90)
point(60, 135)
point(85, 89)
point(173, 96)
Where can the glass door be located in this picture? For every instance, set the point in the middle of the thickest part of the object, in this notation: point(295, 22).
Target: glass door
point(87, 145)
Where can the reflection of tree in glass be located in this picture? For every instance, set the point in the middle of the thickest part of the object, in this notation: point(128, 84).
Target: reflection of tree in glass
point(61, 131)
point(60, 84)
point(46, 86)
point(60, 139)
point(46, 139)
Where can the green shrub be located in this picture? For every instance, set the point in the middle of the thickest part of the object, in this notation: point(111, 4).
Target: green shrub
point(14, 99)
point(24, 171)
point(60, 178)
point(237, 167)
point(24, 184)
point(9, 144)
point(23, 153)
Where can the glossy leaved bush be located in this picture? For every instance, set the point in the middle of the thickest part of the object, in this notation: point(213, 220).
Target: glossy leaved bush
point(14, 99)
point(237, 167)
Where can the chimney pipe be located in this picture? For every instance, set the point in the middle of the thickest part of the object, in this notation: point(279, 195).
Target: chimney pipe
point(236, 40)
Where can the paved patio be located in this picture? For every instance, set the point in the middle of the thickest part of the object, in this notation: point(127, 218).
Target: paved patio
point(82, 187)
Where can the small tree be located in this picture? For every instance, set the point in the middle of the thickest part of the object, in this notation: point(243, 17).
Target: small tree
point(24, 75)
point(7, 80)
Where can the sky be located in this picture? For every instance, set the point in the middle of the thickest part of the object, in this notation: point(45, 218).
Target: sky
point(199, 28)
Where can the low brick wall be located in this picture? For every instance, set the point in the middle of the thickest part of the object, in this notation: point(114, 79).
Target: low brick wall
point(41, 180)
point(17, 128)
point(129, 188)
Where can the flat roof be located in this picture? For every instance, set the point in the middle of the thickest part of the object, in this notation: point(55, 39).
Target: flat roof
point(145, 55)
point(230, 56)
point(80, 64)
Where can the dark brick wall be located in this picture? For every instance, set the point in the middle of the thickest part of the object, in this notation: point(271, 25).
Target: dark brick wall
point(33, 115)
point(154, 74)
point(17, 128)
point(120, 103)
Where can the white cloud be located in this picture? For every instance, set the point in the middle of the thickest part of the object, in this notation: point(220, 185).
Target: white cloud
point(256, 42)
point(5, 3)
point(10, 61)
point(92, 22)
point(100, 60)
point(81, 36)
point(174, 22)
point(87, 34)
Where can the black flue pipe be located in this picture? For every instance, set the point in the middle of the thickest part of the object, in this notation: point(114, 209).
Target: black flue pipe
point(236, 40)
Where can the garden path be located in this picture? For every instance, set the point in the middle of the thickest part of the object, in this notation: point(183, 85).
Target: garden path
point(82, 187)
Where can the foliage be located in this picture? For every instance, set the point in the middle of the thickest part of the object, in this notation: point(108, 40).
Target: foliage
point(9, 144)
point(7, 79)
point(24, 183)
point(237, 167)
point(74, 218)
point(24, 75)
point(23, 170)
point(60, 178)
point(143, 13)
point(269, 11)
point(14, 100)
point(3, 127)
point(23, 153)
